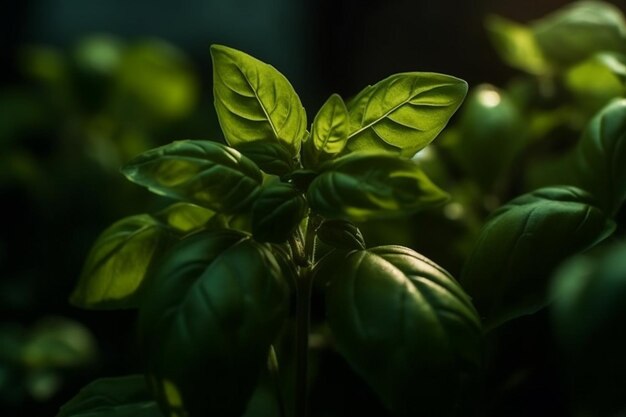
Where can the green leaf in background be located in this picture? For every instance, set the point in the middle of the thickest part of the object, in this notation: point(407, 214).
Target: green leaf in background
point(522, 243)
point(341, 234)
point(404, 325)
point(600, 157)
point(579, 30)
point(272, 157)
point(125, 396)
point(205, 173)
point(491, 132)
point(588, 316)
point(217, 302)
point(185, 217)
point(516, 45)
point(366, 186)
point(277, 212)
point(329, 132)
point(254, 101)
point(119, 262)
point(403, 113)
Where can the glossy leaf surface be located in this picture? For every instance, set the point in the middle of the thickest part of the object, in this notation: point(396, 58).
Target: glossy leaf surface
point(217, 302)
point(405, 325)
point(119, 262)
point(329, 132)
point(365, 186)
point(205, 173)
point(112, 397)
point(254, 101)
point(277, 212)
point(185, 217)
point(403, 113)
point(341, 234)
point(521, 245)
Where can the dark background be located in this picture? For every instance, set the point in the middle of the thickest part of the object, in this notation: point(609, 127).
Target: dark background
point(322, 46)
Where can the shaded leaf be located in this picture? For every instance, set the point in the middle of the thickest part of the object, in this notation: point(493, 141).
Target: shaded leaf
point(272, 157)
point(254, 101)
point(405, 325)
point(119, 262)
point(205, 173)
point(277, 212)
point(217, 302)
point(366, 186)
point(403, 113)
point(521, 245)
point(185, 217)
point(341, 234)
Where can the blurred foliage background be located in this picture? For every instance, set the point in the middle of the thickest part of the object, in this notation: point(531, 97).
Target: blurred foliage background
point(87, 85)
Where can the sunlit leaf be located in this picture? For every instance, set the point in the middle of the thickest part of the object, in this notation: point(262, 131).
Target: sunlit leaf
point(205, 173)
point(521, 245)
point(329, 132)
point(113, 397)
point(405, 325)
point(185, 217)
point(367, 186)
point(119, 261)
point(403, 113)
point(217, 302)
point(277, 212)
point(254, 101)
point(271, 157)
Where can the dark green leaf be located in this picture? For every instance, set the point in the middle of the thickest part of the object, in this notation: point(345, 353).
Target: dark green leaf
point(579, 30)
point(365, 186)
point(522, 243)
point(600, 157)
point(403, 113)
point(341, 234)
point(201, 172)
point(217, 302)
point(254, 101)
point(589, 312)
point(119, 262)
point(405, 326)
point(277, 212)
point(271, 157)
point(113, 397)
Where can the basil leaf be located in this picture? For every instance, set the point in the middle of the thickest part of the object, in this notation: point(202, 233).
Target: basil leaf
point(588, 316)
point(277, 212)
point(254, 101)
point(329, 132)
point(403, 113)
point(521, 245)
point(579, 30)
point(217, 302)
point(125, 396)
point(600, 157)
point(364, 186)
point(405, 325)
point(185, 217)
point(119, 261)
point(205, 173)
point(341, 234)
point(273, 158)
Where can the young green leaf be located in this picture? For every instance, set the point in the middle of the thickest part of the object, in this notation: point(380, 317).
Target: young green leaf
point(580, 30)
point(364, 186)
point(125, 396)
point(405, 325)
point(185, 217)
point(119, 262)
point(277, 212)
point(205, 173)
point(403, 113)
point(217, 302)
point(600, 157)
point(254, 101)
point(521, 245)
point(272, 157)
point(329, 132)
point(588, 315)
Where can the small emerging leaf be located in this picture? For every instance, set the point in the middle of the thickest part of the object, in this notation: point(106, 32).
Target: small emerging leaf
point(329, 132)
point(254, 101)
point(363, 186)
point(403, 113)
point(119, 262)
point(277, 213)
point(201, 172)
point(521, 245)
point(406, 326)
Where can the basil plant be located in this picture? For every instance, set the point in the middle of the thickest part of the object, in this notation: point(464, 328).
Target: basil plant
point(224, 277)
